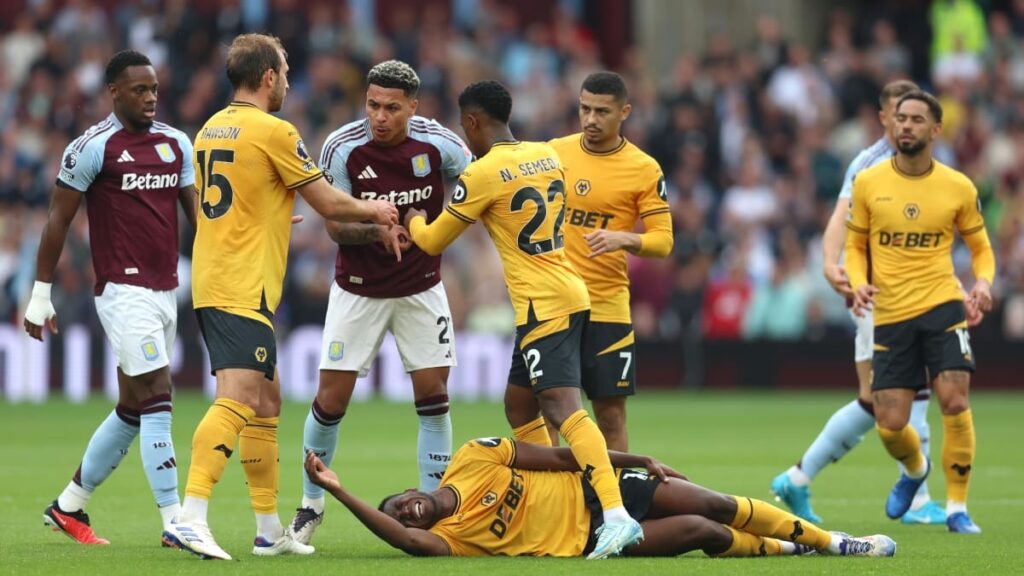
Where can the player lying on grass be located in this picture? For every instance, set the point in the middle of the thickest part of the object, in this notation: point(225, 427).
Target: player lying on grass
point(501, 497)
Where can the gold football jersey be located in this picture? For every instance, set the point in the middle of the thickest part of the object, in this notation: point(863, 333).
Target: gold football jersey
point(518, 192)
point(909, 222)
point(248, 164)
point(609, 190)
point(505, 511)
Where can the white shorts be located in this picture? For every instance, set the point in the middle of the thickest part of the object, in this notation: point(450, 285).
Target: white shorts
point(141, 325)
point(864, 341)
point(355, 326)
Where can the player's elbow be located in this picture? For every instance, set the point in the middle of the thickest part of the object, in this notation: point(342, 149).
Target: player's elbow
point(656, 245)
point(431, 249)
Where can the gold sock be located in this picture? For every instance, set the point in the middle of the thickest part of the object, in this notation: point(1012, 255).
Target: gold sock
point(213, 443)
point(762, 519)
point(745, 544)
point(257, 448)
point(905, 446)
point(591, 453)
point(957, 453)
point(533, 432)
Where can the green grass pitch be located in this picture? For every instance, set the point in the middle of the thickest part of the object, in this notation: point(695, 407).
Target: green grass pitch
point(730, 442)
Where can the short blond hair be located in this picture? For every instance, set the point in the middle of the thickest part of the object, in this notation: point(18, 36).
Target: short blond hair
point(250, 56)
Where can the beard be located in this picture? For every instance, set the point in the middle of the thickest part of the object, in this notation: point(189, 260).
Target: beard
point(276, 98)
point(911, 148)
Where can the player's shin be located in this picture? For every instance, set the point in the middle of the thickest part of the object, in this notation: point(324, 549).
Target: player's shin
point(258, 451)
point(958, 447)
point(905, 445)
point(434, 442)
point(533, 432)
point(320, 436)
point(591, 452)
point(745, 544)
point(157, 450)
point(919, 420)
point(213, 444)
point(763, 519)
point(107, 447)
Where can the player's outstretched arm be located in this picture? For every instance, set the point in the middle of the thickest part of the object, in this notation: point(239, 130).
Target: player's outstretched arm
point(333, 204)
point(63, 206)
point(832, 245)
point(410, 540)
point(536, 457)
point(433, 238)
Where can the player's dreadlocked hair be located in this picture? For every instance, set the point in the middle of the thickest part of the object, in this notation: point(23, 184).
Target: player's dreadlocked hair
point(123, 59)
point(490, 97)
point(606, 83)
point(395, 74)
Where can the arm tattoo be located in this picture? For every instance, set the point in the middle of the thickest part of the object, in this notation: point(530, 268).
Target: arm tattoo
point(353, 234)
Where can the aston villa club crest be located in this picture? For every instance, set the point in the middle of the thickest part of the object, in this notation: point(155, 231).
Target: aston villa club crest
point(336, 351)
point(421, 165)
point(150, 351)
point(165, 152)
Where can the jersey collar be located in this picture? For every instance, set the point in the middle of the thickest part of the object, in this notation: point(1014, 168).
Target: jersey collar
point(608, 153)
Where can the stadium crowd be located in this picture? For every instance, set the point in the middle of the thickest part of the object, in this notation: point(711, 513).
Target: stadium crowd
point(753, 139)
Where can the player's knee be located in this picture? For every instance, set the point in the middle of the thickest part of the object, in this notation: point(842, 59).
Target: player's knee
point(557, 404)
point(150, 384)
point(954, 404)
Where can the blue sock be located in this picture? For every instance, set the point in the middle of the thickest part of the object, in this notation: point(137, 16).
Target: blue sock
point(107, 448)
point(843, 431)
point(434, 442)
point(157, 450)
point(320, 435)
point(919, 420)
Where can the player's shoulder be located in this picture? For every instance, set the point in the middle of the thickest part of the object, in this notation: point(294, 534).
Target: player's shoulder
point(872, 155)
point(95, 136)
point(343, 140)
point(642, 160)
point(170, 132)
point(565, 144)
point(432, 131)
point(872, 173)
point(954, 177)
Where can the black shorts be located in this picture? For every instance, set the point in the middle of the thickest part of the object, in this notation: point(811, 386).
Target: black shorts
point(551, 361)
point(637, 488)
point(609, 366)
point(235, 341)
point(910, 353)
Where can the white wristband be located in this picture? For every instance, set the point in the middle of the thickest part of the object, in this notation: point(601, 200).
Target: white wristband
point(41, 289)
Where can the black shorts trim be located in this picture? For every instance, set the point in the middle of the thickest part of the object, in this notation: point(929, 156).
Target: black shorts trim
point(235, 341)
point(909, 354)
point(603, 368)
point(637, 488)
point(552, 361)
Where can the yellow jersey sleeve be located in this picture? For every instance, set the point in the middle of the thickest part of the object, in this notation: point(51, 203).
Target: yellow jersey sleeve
point(435, 237)
point(971, 225)
point(471, 197)
point(288, 155)
point(654, 198)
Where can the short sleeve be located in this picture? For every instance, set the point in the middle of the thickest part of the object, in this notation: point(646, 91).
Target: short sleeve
point(334, 165)
point(471, 198)
point(288, 156)
point(188, 170)
point(79, 168)
point(654, 196)
point(969, 219)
